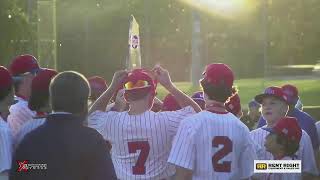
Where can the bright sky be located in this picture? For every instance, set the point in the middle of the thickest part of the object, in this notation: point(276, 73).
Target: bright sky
point(224, 8)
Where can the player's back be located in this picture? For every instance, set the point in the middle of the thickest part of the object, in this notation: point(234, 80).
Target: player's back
point(222, 144)
point(140, 143)
point(142, 146)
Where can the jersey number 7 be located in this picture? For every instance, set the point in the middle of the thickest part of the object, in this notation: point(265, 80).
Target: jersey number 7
point(225, 166)
point(144, 148)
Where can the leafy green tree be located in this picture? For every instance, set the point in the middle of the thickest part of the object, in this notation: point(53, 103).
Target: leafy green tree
point(17, 34)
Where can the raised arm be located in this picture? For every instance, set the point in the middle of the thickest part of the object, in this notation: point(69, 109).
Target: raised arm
point(102, 102)
point(164, 79)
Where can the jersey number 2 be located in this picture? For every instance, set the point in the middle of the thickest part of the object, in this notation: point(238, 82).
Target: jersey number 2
point(225, 166)
point(144, 148)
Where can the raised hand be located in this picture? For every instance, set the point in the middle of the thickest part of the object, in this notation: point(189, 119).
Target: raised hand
point(119, 78)
point(162, 75)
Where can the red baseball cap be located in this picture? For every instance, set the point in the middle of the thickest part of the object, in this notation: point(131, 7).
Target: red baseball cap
point(140, 79)
point(42, 80)
point(233, 104)
point(23, 64)
point(170, 103)
point(97, 83)
point(287, 127)
point(291, 91)
point(5, 78)
point(272, 91)
point(219, 74)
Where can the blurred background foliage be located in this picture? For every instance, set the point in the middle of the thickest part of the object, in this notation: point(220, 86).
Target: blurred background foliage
point(92, 35)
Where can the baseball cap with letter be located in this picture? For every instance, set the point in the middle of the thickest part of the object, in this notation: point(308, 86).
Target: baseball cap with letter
point(219, 74)
point(272, 91)
point(24, 64)
point(288, 128)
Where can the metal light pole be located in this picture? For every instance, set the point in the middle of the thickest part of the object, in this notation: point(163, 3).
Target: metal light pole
point(196, 47)
point(147, 48)
point(266, 40)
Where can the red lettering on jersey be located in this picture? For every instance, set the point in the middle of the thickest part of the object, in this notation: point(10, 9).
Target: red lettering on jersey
point(225, 166)
point(144, 146)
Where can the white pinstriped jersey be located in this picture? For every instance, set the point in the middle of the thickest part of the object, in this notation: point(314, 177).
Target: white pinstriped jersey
point(214, 146)
point(305, 152)
point(140, 143)
point(19, 114)
point(26, 128)
point(284, 176)
point(6, 143)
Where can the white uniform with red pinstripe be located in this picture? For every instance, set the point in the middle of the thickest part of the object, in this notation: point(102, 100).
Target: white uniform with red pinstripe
point(305, 152)
point(140, 143)
point(19, 114)
point(214, 146)
point(6, 146)
point(27, 128)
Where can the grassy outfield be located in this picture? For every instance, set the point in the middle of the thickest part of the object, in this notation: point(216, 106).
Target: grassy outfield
point(309, 90)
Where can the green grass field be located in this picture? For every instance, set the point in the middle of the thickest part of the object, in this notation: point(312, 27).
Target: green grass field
point(309, 90)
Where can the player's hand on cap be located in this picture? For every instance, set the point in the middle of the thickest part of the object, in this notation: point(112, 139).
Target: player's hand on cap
point(162, 76)
point(118, 78)
point(120, 97)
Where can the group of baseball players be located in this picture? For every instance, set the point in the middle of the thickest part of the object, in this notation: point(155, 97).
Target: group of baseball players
point(137, 135)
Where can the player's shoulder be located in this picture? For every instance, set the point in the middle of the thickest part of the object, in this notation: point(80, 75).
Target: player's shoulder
point(193, 121)
point(188, 110)
point(259, 131)
point(304, 115)
point(305, 136)
point(21, 106)
point(104, 114)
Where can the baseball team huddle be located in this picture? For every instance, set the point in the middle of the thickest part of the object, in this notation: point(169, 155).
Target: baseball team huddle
point(81, 128)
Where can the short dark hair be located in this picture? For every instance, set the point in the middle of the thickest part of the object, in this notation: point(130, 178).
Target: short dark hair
point(69, 92)
point(218, 93)
point(5, 92)
point(290, 147)
point(38, 100)
point(135, 95)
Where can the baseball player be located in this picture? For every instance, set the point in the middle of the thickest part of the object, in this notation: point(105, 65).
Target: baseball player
point(305, 121)
point(23, 69)
point(283, 142)
point(252, 117)
point(6, 141)
point(141, 139)
point(38, 102)
point(213, 144)
point(274, 107)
